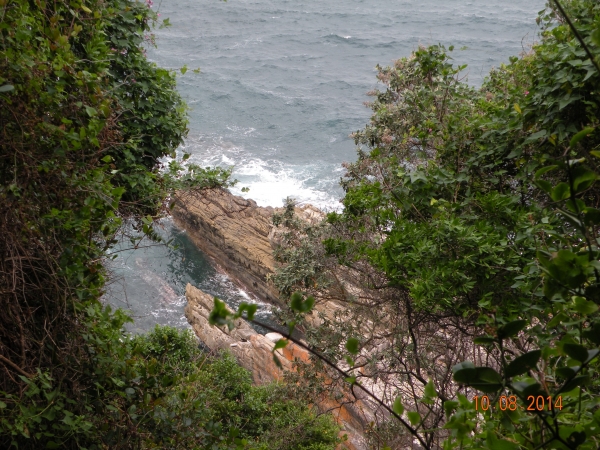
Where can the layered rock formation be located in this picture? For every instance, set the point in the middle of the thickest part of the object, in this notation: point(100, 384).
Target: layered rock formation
point(255, 353)
point(234, 232)
point(238, 235)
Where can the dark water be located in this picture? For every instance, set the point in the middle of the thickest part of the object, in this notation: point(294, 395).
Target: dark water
point(150, 281)
point(282, 86)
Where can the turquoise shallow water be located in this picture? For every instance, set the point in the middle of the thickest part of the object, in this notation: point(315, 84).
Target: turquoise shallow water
point(282, 86)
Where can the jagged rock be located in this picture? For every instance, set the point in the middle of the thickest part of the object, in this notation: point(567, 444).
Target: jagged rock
point(237, 234)
point(234, 232)
point(254, 352)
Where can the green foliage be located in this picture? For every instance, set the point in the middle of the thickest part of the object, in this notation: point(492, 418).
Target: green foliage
point(470, 229)
point(85, 119)
point(159, 390)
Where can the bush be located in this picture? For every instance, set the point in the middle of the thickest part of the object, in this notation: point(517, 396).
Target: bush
point(467, 251)
point(85, 119)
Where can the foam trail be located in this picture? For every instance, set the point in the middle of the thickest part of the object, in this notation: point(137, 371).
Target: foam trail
point(270, 185)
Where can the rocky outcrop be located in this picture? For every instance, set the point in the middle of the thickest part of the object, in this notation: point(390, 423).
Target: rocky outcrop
point(238, 236)
point(234, 232)
point(255, 353)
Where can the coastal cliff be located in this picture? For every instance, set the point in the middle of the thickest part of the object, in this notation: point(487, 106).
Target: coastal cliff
point(234, 233)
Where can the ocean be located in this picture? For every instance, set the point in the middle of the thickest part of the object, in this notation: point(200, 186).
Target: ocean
point(281, 86)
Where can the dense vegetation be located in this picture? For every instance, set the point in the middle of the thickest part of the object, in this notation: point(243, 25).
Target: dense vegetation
point(467, 253)
point(84, 122)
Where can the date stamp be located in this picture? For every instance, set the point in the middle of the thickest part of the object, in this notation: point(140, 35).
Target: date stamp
point(510, 403)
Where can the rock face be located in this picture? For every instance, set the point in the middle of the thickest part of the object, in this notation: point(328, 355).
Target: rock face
point(254, 352)
point(234, 232)
point(238, 235)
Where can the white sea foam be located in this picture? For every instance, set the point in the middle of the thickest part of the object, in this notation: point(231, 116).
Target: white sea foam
point(271, 183)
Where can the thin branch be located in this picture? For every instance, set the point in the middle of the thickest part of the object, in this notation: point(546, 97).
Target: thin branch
point(347, 375)
point(14, 366)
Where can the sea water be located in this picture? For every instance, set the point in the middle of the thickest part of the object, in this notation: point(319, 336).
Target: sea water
point(281, 86)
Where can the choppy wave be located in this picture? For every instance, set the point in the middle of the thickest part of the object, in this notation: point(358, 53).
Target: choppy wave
point(282, 86)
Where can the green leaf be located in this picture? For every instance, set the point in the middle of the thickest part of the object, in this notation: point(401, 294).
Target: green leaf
point(596, 36)
point(250, 310)
point(511, 329)
point(576, 438)
point(592, 354)
point(544, 170)
point(281, 343)
point(450, 406)
point(584, 179)
point(567, 372)
point(398, 407)
point(576, 351)
point(6, 88)
point(107, 159)
point(560, 192)
point(219, 313)
point(90, 111)
point(484, 340)
point(430, 390)
point(296, 302)
point(544, 186)
point(277, 361)
point(523, 363)
point(583, 306)
point(592, 216)
point(493, 443)
point(414, 417)
point(559, 318)
point(186, 156)
point(526, 388)
point(579, 136)
point(352, 345)
point(580, 380)
point(463, 365)
point(300, 306)
point(484, 379)
point(488, 375)
point(536, 136)
point(183, 70)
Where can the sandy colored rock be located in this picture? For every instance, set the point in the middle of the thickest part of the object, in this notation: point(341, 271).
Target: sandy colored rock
point(236, 233)
point(254, 352)
point(233, 232)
